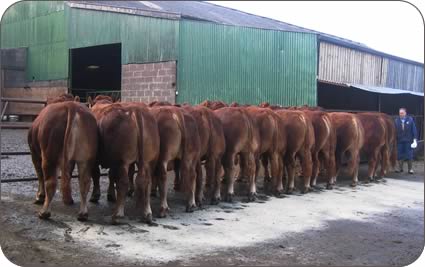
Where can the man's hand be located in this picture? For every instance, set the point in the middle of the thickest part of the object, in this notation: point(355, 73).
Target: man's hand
point(414, 144)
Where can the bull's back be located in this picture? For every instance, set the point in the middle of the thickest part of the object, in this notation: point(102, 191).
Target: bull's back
point(349, 130)
point(119, 137)
point(236, 128)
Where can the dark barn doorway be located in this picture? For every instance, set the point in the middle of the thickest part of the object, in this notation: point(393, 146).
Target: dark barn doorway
point(95, 70)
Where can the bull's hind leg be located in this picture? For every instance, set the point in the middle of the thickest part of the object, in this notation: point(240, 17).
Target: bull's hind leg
point(122, 189)
point(143, 190)
point(265, 161)
point(200, 184)
point(306, 162)
point(251, 171)
point(373, 160)
point(229, 175)
point(41, 193)
point(111, 195)
point(84, 173)
point(162, 182)
point(131, 172)
point(188, 174)
point(215, 173)
point(96, 184)
point(353, 166)
point(290, 167)
point(276, 174)
point(316, 167)
point(68, 167)
point(50, 173)
point(385, 160)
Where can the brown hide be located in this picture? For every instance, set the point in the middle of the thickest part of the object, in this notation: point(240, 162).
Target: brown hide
point(179, 140)
point(128, 134)
point(300, 141)
point(350, 138)
point(240, 139)
point(271, 142)
point(63, 135)
point(324, 145)
point(211, 150)
point(375, 140)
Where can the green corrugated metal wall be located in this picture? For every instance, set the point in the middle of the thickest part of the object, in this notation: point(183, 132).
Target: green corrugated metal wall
point(40, 26)
point(144, 39)
point(245, 65)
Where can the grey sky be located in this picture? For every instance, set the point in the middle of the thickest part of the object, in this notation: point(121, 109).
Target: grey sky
point(392, 27)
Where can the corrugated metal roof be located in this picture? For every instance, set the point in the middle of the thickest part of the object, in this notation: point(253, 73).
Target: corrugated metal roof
point(384, 90)
point(199, 10)
point(373, 89)
point(214, 13)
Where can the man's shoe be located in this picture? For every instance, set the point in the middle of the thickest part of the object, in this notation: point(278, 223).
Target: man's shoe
point(411, 171)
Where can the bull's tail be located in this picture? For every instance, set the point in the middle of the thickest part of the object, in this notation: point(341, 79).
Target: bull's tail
point(139, 121)
point(68, 133)
point(66, 179)
point(178, 117)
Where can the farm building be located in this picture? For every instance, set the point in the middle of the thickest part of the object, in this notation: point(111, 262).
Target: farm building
point(191, 51)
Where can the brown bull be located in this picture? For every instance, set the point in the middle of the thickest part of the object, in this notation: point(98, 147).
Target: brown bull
point(179, 141)
point(300, 141)
point(375, 141)
point(389, 151)
point(211, 150)
point(324, 145)
point(63, 135)
point(271, 143)
point(350, 138)
point(241, 140)
point(128, 134)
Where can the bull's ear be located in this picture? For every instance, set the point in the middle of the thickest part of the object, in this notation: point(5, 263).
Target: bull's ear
point(77, 98)
point(90, 101)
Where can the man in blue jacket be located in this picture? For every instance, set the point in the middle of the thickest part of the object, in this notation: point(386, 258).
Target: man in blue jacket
point(406, 139)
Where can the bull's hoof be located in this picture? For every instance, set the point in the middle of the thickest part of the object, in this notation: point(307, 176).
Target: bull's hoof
point(267, 179)
point(199, 203)
point(82, 217)
point(329, 186)
point(191, 208)
point(163, 212)
point(130, 193)
point(153, 193)
point(353, 184)
point(148, 219)
point(289, 191)
point(44, 215)
point(114, 220)
point(252, 196)
point(229, 197)
point(279, 194)
point(95, 198)
point(68, 201)
point(111, 198)
point(39, 201)
point(215, 200)
point(305, 190)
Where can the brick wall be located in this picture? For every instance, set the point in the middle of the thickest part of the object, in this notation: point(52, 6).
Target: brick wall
point(149, 82)
point(39, 90)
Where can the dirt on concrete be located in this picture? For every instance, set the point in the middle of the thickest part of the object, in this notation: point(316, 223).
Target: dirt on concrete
point(380, 223)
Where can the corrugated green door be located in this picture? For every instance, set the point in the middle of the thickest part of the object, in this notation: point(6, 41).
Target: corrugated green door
point(245, 65)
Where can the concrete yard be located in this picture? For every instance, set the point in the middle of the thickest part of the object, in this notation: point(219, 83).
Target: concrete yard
point(379, 223)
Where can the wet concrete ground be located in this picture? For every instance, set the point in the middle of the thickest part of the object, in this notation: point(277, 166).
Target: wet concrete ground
point(373, 224)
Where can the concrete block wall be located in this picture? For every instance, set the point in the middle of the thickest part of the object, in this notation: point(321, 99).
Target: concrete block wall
point(37, 90)
point(149, 82)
